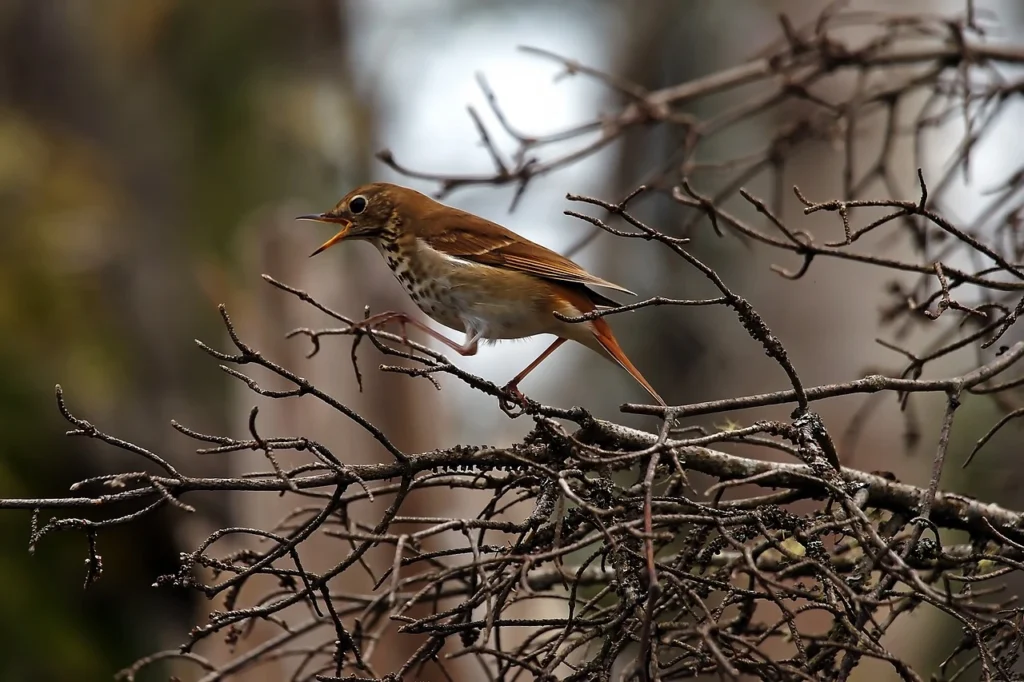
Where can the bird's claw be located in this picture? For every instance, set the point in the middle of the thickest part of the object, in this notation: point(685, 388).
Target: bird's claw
point(367, 326)
point(511, 398)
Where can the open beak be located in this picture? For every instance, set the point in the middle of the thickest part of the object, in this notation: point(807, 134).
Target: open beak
point(346, 225)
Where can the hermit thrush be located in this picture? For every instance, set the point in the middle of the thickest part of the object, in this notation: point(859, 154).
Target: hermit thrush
point(475, 276)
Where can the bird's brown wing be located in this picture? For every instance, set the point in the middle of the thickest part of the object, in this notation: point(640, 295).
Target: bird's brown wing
point(475, 239)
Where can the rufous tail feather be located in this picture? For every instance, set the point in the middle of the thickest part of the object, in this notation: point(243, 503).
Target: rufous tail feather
point(604, 336)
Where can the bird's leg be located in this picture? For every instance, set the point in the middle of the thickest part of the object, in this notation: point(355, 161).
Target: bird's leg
point(512, 387)
point(380, 319)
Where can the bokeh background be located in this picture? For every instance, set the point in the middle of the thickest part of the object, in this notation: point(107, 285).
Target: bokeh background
point(152, 157)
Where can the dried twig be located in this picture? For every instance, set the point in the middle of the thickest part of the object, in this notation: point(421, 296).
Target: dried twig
point(658, 580)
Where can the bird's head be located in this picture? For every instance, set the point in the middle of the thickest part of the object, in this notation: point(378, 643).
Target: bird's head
point(368, 212)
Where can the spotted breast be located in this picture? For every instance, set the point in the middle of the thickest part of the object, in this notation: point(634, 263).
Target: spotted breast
point(424, 281)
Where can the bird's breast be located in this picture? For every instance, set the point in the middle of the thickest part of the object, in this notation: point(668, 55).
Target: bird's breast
point(494, 302)
point(423, 281)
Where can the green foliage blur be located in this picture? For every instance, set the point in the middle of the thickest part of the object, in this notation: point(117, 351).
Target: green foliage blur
point(135, 139)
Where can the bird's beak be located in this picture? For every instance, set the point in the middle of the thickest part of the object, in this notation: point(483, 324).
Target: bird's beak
point(345, 223)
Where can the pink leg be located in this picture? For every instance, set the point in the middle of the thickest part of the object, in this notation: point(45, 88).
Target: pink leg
point(512, 387)
point(380, 319)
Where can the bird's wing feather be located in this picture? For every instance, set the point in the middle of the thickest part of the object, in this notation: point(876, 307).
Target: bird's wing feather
point(472, 238)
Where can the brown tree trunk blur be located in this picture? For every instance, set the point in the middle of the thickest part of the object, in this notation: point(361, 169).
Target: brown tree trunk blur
point(828, 327)
point(707, 353)
point(345, 278)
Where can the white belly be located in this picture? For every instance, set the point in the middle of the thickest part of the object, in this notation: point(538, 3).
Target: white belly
point(438, 286)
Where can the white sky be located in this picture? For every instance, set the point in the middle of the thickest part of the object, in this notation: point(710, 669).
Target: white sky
point(428, 77)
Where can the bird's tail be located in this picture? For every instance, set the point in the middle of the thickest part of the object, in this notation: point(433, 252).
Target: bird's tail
point(610, 347)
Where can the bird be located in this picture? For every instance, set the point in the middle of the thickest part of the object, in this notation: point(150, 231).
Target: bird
point(476, 277)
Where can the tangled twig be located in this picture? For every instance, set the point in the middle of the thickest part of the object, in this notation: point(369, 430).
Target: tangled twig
point(790, 570)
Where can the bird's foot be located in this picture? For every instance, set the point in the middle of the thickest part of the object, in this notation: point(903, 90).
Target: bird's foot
point(377, 321)
point(512, 398)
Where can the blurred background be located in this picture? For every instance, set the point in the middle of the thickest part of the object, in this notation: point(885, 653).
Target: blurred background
point(152, 158)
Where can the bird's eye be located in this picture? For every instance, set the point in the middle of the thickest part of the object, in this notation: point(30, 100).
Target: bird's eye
point(357, 205)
